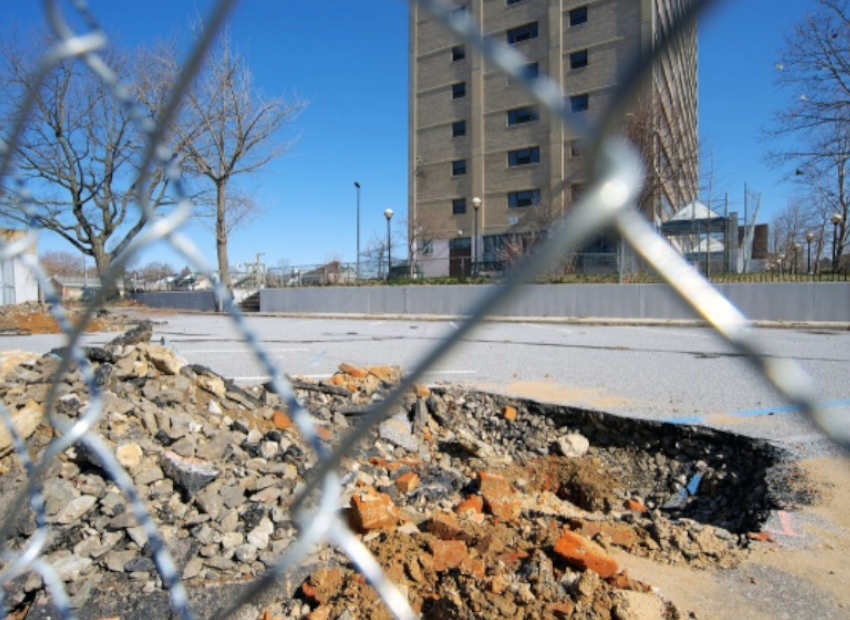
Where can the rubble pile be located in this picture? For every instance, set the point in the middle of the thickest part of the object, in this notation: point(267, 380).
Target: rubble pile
point(477, 506)
point(35, 318)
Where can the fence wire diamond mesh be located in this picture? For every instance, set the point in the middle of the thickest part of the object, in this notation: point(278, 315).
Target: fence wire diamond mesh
point(609, 201)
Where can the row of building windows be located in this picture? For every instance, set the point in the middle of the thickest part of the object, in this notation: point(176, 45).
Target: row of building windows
point(520, 157)
point(578, 103)
point(516, 200)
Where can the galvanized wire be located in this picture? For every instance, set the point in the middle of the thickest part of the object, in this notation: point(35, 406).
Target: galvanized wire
point(617, 179)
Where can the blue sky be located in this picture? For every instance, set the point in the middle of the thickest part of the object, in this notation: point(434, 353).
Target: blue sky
point(349, 58)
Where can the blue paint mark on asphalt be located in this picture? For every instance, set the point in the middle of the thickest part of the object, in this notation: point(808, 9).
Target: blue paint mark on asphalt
point(751, 413)
point(318, 359)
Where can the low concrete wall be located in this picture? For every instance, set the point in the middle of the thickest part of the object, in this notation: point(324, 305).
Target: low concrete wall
point(809, 301)
point(177, 300)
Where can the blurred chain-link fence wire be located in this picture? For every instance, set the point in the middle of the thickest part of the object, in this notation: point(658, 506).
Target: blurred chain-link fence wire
point(617, 178)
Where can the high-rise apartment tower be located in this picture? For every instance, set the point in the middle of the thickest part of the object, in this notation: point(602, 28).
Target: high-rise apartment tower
point(485, 159)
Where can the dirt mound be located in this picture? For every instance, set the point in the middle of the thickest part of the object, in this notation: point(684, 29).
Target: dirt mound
point(36, 318)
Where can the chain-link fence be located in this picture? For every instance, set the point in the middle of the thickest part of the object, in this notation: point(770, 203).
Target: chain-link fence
point(607, 202)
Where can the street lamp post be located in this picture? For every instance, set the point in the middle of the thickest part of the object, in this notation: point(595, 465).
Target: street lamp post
point(476, 204)
point(781, 258)
point(357, 271)
point(389, 215)
point(836, 221)
point(809, 238)
point(796, 251)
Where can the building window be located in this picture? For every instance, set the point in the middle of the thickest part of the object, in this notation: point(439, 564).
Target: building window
point(576, 149)
point(524, 198)
point(531, 71)
point(579, 103)
point(577, 190)
point(426, 247)
point(522, 33)
point(510, 2)
point(458, 129)
point(458, 90)
point(458, 206)
point(520, 116)
point(524, 157)
point(578, 16)
point(460, 243)
point(458, 53)
point(578, 59)
point(458, 167)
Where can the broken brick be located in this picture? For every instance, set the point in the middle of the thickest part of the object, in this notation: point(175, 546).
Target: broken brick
point(323, 432)
point(473, 503)
point(337, 380)
point(635, 506)
point(620, 534)
point(407, 482)
point(447, 554)
point(585, 554)
point(322, 585)
point(509, 413)
point(443, 525)
point(352, 371)
point(320, 613)
point(562, 610)
point(281, 421)
point(387, 374)
point(499, 497)
point(372, 511)
point(422, 391)
point(760, 536)
point(475, 568)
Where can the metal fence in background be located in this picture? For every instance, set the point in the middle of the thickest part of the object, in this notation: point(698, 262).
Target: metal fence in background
point(607, 201)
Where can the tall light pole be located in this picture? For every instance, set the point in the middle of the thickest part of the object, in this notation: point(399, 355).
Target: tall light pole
point(476, 204)
point(809, 238)
point(836, 221)
point(389, 215)
point(357, 271)
point(796, 251)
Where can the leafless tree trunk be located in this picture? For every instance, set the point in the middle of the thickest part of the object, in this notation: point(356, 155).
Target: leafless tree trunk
point(814, 72)
point(230, 129)
point(80, 152)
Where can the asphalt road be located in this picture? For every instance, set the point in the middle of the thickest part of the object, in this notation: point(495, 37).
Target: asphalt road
point(685, 375)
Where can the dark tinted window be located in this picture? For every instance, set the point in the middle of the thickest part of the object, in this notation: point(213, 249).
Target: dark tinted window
point(458, 90)
point(578, 59)
point(524, 157)
point(578, 16)
point(524, 198)
point(579, 103)
point(458, 206)
point(522, 33)
point(458, 52)
point(458, 167)
point(523, 115)
point(458, 129)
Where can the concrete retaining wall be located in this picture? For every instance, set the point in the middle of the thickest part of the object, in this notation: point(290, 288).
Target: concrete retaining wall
point(809, 301)
point(178, 300)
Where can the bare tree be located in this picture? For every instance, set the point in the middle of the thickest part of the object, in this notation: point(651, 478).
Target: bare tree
point(533, 227)
point(228, 130)
point(61, 263)
point(155, 271)
point(79, 153)
point(814, 72)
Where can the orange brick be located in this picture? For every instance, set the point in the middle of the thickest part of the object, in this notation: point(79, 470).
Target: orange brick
point(760, 536)
point(635, 506)
point(476, 568)
point(323, 432)
point(585, 554)
point(426, 434)
point(320, 613)
point(512, 557)
point(447, 554)
point(388, 374)
point(499, 497)
point(372, 511)
point(444, 525)
point(352, 371)
point(377, 460)
point(509, 413)
point(407, 482)
point(562, 610)
point(422, 391)
point(281, 421)
point(488, 481)
point(621, 534)
point(473, 503)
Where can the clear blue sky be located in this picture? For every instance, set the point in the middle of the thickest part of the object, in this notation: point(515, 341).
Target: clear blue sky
point(349, 58)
